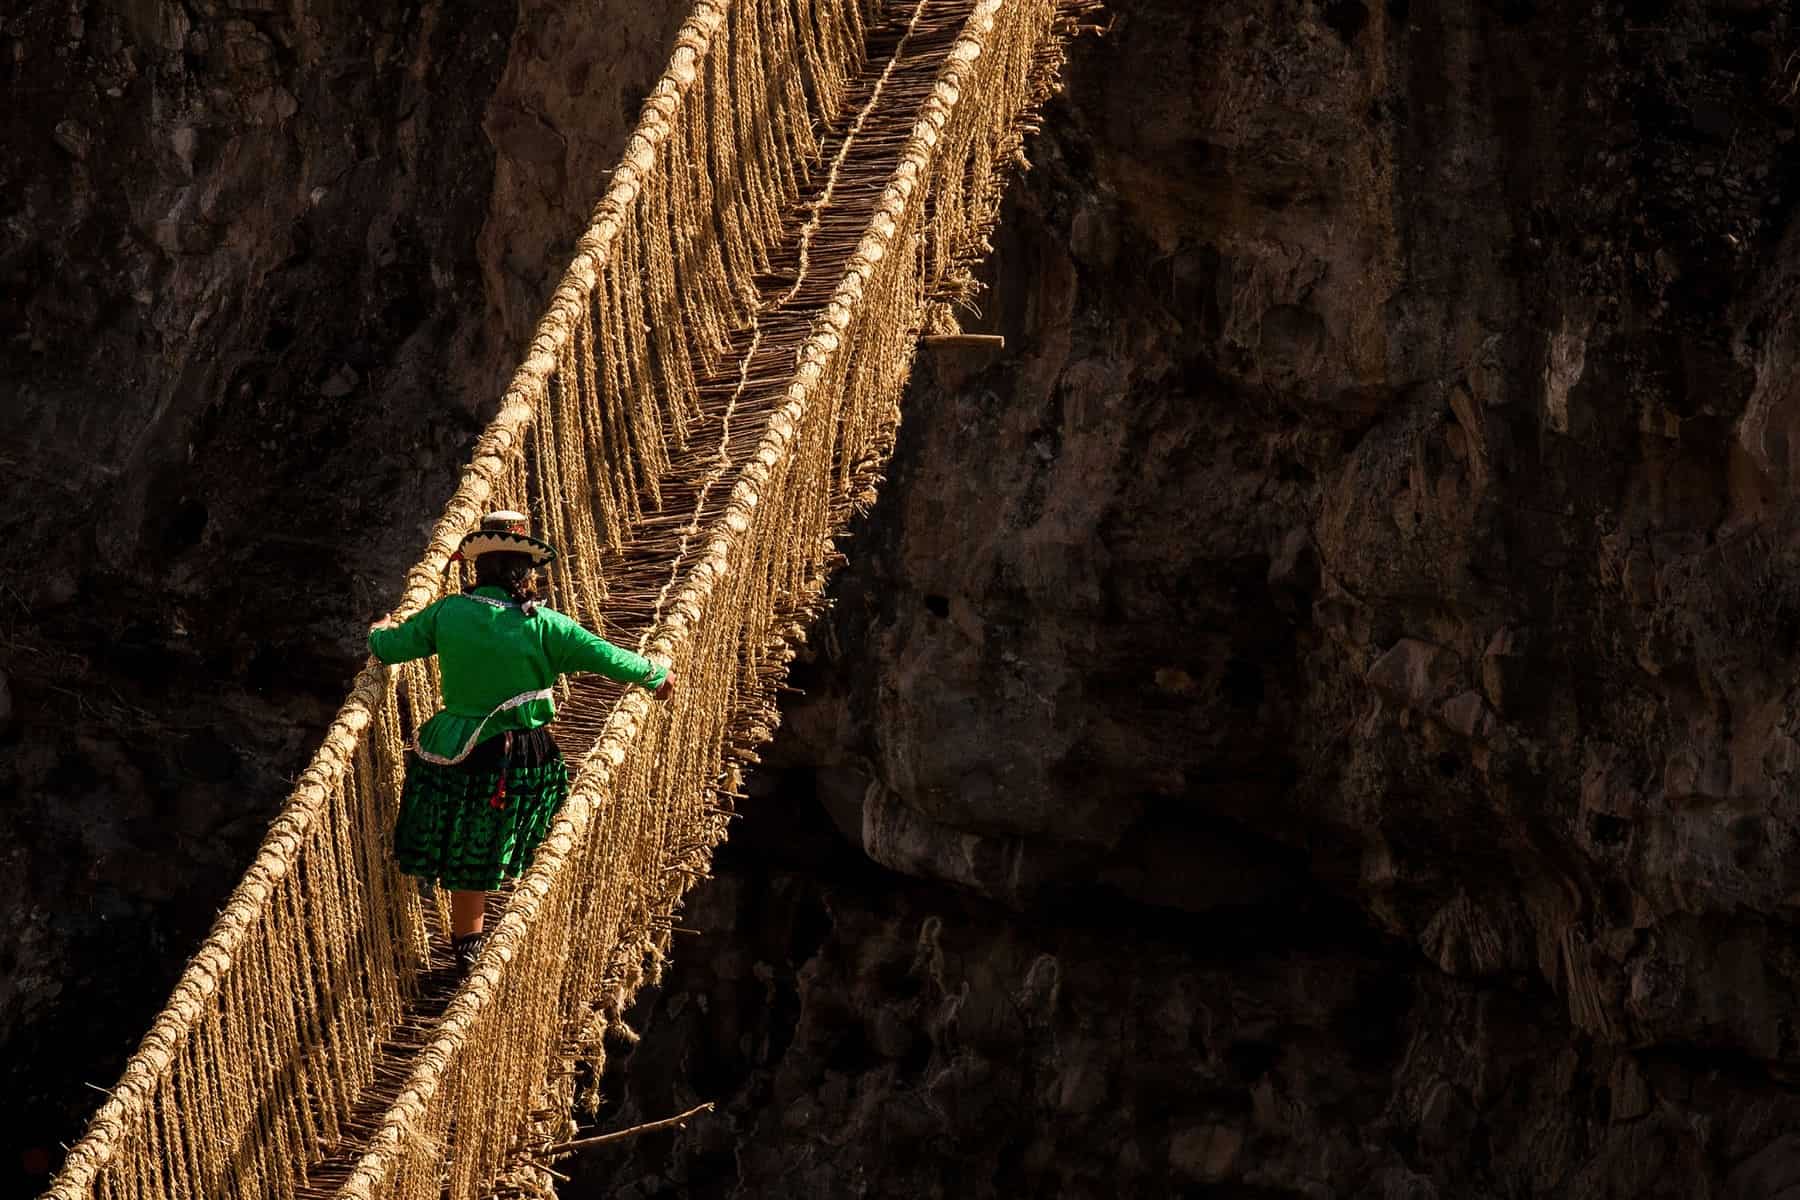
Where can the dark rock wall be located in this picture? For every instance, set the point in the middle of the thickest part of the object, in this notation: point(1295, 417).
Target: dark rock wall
point(1339, 659)
point(1312, 719)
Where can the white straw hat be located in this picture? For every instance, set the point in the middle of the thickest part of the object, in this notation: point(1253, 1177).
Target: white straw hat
point(506, 531)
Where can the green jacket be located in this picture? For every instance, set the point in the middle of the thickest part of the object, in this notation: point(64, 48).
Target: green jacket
point(493, 657)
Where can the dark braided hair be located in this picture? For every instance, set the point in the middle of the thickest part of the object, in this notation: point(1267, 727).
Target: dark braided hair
point(513, 571)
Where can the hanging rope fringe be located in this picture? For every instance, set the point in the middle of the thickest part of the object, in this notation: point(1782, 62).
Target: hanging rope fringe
point(707, 400)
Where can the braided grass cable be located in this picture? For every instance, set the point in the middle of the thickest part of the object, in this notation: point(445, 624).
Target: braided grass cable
point(195, 991)
point(748, 539)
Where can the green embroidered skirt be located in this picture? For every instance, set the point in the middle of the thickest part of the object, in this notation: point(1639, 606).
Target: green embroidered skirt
point(461, 828)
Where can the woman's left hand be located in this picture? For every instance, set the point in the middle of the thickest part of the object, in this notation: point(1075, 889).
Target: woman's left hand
point(385, 623)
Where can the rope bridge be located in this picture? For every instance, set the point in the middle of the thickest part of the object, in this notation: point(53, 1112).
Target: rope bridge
point(708, 399)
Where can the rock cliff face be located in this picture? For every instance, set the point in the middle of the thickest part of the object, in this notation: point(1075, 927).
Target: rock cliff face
point(1313, 719)
point(1340, 660)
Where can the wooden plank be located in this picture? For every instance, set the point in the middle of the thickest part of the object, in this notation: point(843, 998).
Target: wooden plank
point(984, 341)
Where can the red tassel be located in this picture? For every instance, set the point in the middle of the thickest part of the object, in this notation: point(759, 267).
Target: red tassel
point(499, 797)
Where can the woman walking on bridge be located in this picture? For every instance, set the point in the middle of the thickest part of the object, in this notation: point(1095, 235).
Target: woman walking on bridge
point(485, 778)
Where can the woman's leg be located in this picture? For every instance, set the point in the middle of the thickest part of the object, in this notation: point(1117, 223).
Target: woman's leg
point(467, 910)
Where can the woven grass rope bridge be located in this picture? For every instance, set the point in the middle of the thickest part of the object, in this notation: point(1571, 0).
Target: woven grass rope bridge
point(705, 404)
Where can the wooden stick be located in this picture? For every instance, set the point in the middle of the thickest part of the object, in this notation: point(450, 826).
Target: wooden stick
point(621, 1134)
point(986, 341)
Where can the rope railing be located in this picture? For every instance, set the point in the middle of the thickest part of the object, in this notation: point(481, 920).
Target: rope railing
point(764, 560)
point(664, 426)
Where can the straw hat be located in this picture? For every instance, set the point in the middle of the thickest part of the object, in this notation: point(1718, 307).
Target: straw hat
point(509, 531)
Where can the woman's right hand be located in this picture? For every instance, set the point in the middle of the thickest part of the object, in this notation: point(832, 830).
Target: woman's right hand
point(665, 689)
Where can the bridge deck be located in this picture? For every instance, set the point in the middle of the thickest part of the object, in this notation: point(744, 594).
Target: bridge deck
point(736, 400)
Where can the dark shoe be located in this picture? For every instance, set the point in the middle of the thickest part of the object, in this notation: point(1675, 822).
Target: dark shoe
point(467, 949)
